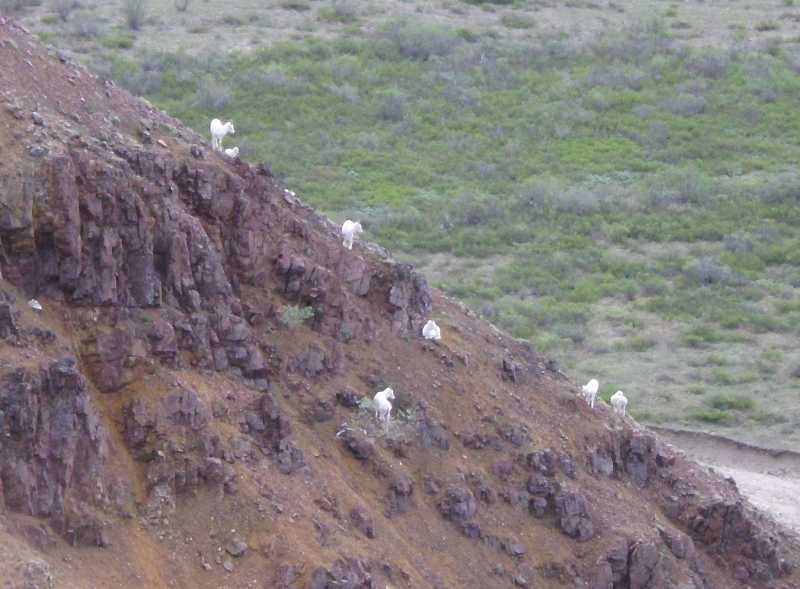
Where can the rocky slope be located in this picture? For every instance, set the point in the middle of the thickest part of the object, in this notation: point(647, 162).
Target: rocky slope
point(167, 421)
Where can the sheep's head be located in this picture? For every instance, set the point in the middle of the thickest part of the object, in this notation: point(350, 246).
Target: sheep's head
point(229, 128)
point(389, 394)
point(356, 230)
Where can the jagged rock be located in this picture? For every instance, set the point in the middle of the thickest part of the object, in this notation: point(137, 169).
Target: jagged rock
point(53, 459)
point(543, 461)
point(400, 491)
point(8, 321)
point(409, 296)
point(538, 506)
point(185, 408)
point(345, 573)
point(458, 504)
point(516, 435)
point(360, 446)
point(37, 575)
point(236, 547)
point(510, 370)
point(573, 515)
point(601, 463)
point(541, 487)
point(363, 522)
point(163, 342)
point(290, 457)
point(644, 558)
point(603, 577)
point(348, 398)
point(640, 457)
point(310, 363)
point(432, 434)
point(114, 359)
point(277, 426)
point(503, 469)
point(680, 544)
point(286, 576)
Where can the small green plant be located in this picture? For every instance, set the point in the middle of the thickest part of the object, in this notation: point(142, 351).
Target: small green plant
point(725, 403)
point(517, 21)
point(341, 11)
point(298, 5)
point(767, 26)
point(293, 316)
point(712, 416)
point(119, 40)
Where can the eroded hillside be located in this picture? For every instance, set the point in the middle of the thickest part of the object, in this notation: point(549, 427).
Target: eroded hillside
point(185, 409)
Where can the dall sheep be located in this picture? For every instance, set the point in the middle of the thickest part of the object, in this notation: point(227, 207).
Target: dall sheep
point(619, 402)
point(232, 152)
point(432, 331)
point(35, 305)
point(590, 391)
point(350, 230)
point(383, 408)
point(218, 132)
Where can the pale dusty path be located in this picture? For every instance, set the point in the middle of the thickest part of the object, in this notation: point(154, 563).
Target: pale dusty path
point(770, 480)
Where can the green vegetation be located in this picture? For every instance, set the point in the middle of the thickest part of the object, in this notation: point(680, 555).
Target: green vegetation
point(293, 316)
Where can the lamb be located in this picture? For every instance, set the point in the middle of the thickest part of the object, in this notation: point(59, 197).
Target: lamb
point(619, 402)
point(218, 132)
point(232, 152)
point(383, 408)
point(432, 331)
point(590, 391)
point(350, 230)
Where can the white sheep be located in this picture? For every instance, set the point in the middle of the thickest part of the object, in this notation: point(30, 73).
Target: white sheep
point(35, 305)
point(590, 391)
point(232, 152)
point(383, 408)
point(218, 132)
point(350, 230)
point(431, 331)
point(619, 402)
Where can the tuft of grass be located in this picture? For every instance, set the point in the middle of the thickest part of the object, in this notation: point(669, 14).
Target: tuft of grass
point(726, 403)
point(715, 416)
point(516, 20)
point(293, 316)
point(118, 40)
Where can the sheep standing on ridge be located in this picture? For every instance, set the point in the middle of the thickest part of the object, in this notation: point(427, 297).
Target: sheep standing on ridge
point(619, 402)
point(232, 152)
point(590, 391)
point(350, 230)
point(431, 331)
point(218, 132)
point(383, 408)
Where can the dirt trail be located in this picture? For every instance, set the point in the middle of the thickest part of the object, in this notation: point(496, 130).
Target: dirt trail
point(769, 478)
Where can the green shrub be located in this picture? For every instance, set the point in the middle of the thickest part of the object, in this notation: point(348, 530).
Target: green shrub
point(119, 40)
point(712, 416)
point(517, 21)
point(293, 316)
point(726, 403)
point(341, 11)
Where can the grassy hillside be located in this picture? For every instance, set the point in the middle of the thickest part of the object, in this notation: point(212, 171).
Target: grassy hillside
point(628, 201)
